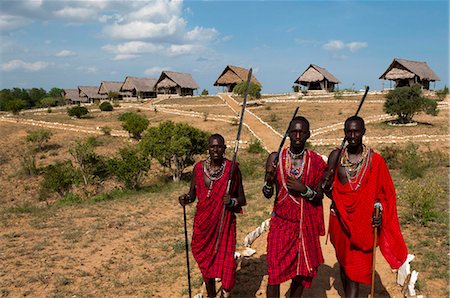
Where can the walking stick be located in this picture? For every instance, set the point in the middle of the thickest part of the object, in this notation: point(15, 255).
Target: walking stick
point(236, 147)
point(275, 161)
point(187, 252)
point(377, 207)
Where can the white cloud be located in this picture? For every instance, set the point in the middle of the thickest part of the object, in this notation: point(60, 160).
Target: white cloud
point(356, 45)
point(145, 30)
point(87, 69)
point(156, 70)
point(334, 45)
point(21, 65)
point(199, 34)
point(175, 50)
point(125, 57)
point(10, 22)
point(159, 11)
point(132, 49)
point(337, 45)
point(65, 53)
point(76, 13)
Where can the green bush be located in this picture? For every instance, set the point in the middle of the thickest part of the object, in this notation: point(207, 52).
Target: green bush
point(28, 163)
point(174, 145)
point(254, 90)
point(405, 102)
point(130, 166)
point(106, 106)
point(421, 197)
point(392, 155)
point(441, 94)
point(134, 123)
point(204, 92)
point(39, 137)
point(77, 111)
point(412, 165)
point(48, 102)
point(106, 130)
point(59, 178)
point(15, 106)
point(255, 147)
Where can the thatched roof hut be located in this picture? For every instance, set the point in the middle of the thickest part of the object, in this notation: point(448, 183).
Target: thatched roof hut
point(140, 88)
point(233, 75)
point(406, 73)
point(90, 93)
point(171, 82)
point(317, 78)
point(109, 86)
point(72, 96)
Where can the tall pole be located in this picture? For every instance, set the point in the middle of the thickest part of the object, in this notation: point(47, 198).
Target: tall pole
point(187, 252)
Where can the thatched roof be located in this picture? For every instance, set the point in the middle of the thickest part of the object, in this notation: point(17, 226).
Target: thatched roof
point(90, 92)
point(74, 95)
point(139, 84)
point(315, 73)
point(407, 69)
point(172, 79)
point(109, 86)
point(234, 75)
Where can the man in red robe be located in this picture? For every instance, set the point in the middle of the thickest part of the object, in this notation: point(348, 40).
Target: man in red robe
point(361, 179)
point(293, 247)
point(214, 232)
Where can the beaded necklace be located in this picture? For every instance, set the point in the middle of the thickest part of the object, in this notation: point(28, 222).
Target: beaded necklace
point(212, 174)
point(293, 169)
point(355, 171)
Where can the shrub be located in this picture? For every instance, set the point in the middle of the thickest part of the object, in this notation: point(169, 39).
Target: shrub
point(205, 116)
point(59, 178)
point(134, 123)
point(255, 147)
point(130, 166)
point(106, 106)
point(405, 102)
point(421, 197)
point(273, 117)
point(15, 106)
point(441, 94)
point(28, 163)
point(392, 155)
point(77, 111)
point(412, 165)
point(174, 145)
point(254, 90)
point(204, 92)
point(39, 137)
point(48, 102)
point(106, 130)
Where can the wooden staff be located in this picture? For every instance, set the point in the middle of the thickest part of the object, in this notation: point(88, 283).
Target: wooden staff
point(377, 207)
point(236, 147)
point(275, 161)
point(187, 251)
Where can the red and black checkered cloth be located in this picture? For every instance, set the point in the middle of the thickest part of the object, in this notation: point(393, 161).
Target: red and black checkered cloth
point(206, 230)
point(293, 247)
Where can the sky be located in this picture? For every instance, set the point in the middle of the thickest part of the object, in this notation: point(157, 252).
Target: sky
point(65, 44)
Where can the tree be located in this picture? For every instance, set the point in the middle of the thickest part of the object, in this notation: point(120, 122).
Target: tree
point(112, 95)
point(130, 166)
point(441, 94)
point(36, 94)
point(405, 102)
point(134, 123)
point(204, 92)
point(56, 93)
point(77, 111)
point(39, 137)
point(174, 145)
point(47, 102)
point(254, 91)
point(15, 106)
point(106, 106)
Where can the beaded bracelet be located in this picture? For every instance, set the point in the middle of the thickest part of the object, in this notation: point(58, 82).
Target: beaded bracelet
point(309, 192)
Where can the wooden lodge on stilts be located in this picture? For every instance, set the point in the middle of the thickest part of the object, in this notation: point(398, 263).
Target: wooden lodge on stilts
point(171, 82)
point(139, 88)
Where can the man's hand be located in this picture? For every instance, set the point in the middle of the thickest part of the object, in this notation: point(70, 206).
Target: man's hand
point(185, 199)
point(376, 220)
point(226, 199)
point(271, 174)
point(295, 186)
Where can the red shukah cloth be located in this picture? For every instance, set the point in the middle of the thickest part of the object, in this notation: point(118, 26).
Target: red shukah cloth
point(206, 229)
point(351, 229)
point(293, 246)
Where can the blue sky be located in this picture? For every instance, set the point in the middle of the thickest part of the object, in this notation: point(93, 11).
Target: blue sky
point(69, 43)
